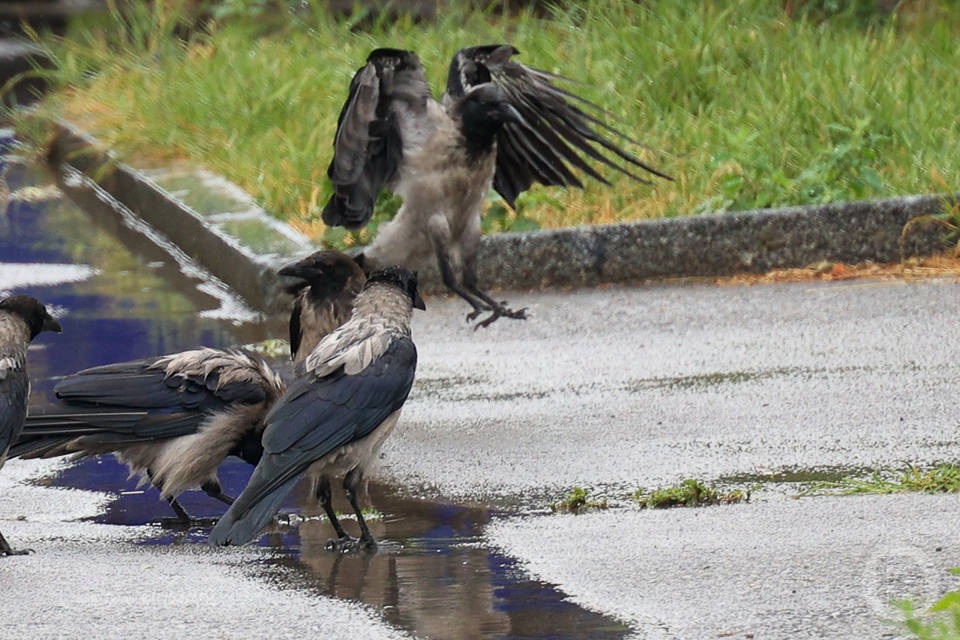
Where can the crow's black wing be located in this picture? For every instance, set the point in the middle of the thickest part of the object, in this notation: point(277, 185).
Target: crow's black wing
point(145, 400)
point(14, 388)
point(295, 326)
point(555, 131)
point(368, 146)
point(313, 418)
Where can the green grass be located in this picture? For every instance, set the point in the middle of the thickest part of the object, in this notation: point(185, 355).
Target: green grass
point(689, 493)
point(747, 106)
point(577, 500)
point(940, 622)
point(942, 479)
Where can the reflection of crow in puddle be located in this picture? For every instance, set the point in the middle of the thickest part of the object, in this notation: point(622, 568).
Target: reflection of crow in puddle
point(175, 418)
point(335, 415)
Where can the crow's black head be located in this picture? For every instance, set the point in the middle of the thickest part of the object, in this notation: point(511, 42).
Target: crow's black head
point(401, 278)
point(31, 311)
point(325, 272)
point(484, 110)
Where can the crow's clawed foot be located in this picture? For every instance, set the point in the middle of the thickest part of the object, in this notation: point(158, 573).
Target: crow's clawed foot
point(15, 552)
point(348, 545)
point(499, 311)
point(187, 523)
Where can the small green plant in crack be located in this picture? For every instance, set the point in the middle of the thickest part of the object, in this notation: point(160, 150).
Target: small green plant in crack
point(940, 622)
point(578, 501)
point(689, 493)
point(942, 479)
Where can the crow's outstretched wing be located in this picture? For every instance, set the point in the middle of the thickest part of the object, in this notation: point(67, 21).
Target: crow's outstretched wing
point(368, 146)
point(555, 131)
point(144, 400)
point(316, 416)
point(14, 388)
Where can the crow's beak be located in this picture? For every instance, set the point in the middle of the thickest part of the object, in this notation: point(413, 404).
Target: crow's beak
point(50, 324)
point(418, 302)
point(510, 114)
point(298, 270)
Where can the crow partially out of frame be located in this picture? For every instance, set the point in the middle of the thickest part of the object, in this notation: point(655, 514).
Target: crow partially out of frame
point(21, 319)
point(336, 414)
point(500, 123)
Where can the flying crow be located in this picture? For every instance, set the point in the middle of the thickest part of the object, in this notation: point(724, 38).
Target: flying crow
point(174, 418)
point(500, 123)
point(336, 414)
point(21, 319)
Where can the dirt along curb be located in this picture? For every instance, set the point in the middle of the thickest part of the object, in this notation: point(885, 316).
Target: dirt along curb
point(221, 227)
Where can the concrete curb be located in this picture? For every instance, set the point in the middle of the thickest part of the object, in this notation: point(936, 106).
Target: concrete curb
point(708, 245)
point(248, 269)
point(712, 245)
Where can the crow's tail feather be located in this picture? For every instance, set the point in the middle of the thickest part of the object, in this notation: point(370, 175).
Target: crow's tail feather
point(234, 528)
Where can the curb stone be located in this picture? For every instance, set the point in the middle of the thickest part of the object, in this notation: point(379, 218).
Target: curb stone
point(206, 216)
point(241, 244)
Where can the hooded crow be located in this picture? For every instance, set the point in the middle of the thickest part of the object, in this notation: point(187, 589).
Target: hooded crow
point(21, 319)
point(336, 414)
point(328, 282)
point(174, 418)
point(500, 123)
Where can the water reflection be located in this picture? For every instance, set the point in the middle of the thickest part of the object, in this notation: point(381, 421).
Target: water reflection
point(135, 303)
point(435, 577)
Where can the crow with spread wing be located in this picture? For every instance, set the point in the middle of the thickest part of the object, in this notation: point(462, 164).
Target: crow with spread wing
point(333, 418)
point(22, 318)
point(175, 418)
point(500, 123)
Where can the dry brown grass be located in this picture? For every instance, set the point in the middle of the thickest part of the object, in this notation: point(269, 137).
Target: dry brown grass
point(945, 265)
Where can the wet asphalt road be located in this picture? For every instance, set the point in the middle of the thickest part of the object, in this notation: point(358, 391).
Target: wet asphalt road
point(622, 388)
point(615, 389)
point(641, 387)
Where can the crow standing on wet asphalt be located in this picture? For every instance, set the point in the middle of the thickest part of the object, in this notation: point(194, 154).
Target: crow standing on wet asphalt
point(174, 418)
point(336, 414)
point(21, 319)
point(500, 123)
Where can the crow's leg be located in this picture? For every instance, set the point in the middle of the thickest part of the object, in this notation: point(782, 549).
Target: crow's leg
point(322, 491)
point(440, 237)
point(498, 309)
point(450, 280)
point(183, 519)
point(365, 542)
point(213, 489)
point(7, 550)
point(351, 483)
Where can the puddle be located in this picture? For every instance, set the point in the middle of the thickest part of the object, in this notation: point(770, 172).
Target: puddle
point(708, 381)
point(796, 476)
point(121, 297)
point(432, 577)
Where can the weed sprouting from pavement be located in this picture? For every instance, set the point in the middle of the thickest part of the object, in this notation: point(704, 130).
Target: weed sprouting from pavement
point(939, 622)
point(943, 479)
point(689, 493)
point(578, 501)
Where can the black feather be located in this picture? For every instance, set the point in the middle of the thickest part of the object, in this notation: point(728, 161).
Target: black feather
point(555, 131)
point(367, 146)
